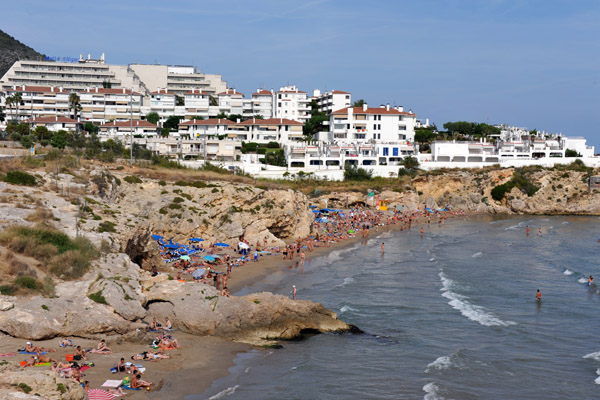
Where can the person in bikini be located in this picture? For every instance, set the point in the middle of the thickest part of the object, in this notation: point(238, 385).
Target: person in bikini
point(102, 348)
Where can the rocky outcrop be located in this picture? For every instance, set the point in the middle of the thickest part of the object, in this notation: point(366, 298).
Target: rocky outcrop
point(45, 384)
point(260, 318)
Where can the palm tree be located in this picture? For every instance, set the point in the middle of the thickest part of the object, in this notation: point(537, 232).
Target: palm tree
point(17, 98)
point(74, 104)
point(9, 102)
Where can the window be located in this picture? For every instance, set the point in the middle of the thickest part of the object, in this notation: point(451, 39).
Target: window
point(279, 105)
point(395, 151)
point(279, 97)
point(386, 151)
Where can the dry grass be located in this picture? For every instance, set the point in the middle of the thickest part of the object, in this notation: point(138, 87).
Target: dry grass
point(41, 215)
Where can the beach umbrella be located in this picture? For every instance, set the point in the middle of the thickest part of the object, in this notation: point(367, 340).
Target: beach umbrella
point(156, 237)
point(185, 257)
point(171, 246)
point(350, 230)
point(220, 244)
point(99, 394)
point(198, 273)
point(196, 240)
point(209, 258)
point(243, 245)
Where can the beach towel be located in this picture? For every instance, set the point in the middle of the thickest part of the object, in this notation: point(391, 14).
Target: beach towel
point(130, 388)
point(8, 354)
point(28, 352)
point(84, 368)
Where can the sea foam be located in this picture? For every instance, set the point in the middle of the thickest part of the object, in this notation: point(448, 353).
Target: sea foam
point(477, 255)
point(568, 272)
point(227, 392)
point(346, 308)
point(582, 280)
point(593, 356)
point(440, 364)
point(432, 392)
point(471, 311)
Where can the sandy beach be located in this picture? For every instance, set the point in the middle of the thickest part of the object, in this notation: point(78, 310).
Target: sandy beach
point(200, 360)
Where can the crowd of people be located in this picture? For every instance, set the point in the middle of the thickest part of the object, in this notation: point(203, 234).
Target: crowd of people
point(79, 361)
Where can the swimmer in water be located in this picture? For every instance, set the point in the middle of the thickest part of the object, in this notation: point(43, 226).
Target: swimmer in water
point(527, 230)
point(538, 296)
point(590, 280)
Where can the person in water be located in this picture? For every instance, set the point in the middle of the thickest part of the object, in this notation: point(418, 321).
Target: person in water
point(590, 280)
point(538, 296)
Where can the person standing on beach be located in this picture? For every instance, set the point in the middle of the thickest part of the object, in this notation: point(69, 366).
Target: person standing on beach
point(294, 292)
point(538, 296)
point(382, 248)
point(421, 232)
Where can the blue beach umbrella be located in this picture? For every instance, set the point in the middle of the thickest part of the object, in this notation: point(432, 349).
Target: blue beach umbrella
point(196, 240)
point(171, 246)
point(156, 237)
point(198, 273)
point(209, 258)
point(221, 244)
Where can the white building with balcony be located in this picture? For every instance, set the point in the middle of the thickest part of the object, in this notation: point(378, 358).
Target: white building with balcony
point(291, 103)
point(279, 130)
point(100, 105)
point(328, 102)
point(364, 124)
point(211, 149)
point(464, 152)
point(230, 102)
point(261, 104)
point(121, 130)
point(197, 103)
point(54, 124)
point(36, 102)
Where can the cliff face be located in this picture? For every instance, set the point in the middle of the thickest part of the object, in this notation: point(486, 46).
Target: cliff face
point(12, 50)
point(560, 191)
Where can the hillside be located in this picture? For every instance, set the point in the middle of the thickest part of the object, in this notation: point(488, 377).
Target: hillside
point(12, 50)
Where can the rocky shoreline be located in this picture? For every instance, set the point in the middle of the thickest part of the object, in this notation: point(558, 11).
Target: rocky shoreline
point(121, 213)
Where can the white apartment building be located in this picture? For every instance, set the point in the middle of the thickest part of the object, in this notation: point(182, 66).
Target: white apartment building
point(261, 104)
point(331, 101)
point(216, 150)
point(121, 130)
point(213, 127)
point(37, 102)
point(54, 124)
point(279, 130)
point(178, 79)
point(464, 152)
point(197, 103)
point(378, 125)
point(99, 105)
point(163, 102)
point(230, 102)
point(291, 103)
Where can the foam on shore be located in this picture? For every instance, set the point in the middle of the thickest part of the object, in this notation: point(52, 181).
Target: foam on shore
point(432, 392)
point(471, 311)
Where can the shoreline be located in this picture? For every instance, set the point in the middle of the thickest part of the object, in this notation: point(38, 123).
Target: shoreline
point(201, 360)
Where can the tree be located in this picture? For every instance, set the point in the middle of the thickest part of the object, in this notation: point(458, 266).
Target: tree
point(172, 123)
point(42, 132)
point(235, 117)
point(106, 84)
point(74, 104)
point(212, 101)
point(221, 115)
point(9, 102)
point(2, 115)
point(198, 117)
point(572, 153)
point(17, 99)
point(179, 101)
point(358, 103)
point(471, 129)
point(89, 127)
point(26, 141)
point(353, 173)
point(411, 165)
point(315, 124)
point(153, 117)
point(258, 116)
point(59, 139)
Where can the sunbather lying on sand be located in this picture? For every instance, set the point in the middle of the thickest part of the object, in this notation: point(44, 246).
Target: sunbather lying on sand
point(149, 356)
point(30, 348)
point(102, 348)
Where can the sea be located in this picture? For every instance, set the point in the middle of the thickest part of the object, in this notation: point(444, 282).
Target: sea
point(452, 315)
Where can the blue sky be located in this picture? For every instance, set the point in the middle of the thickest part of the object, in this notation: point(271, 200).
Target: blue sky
point(528, 63)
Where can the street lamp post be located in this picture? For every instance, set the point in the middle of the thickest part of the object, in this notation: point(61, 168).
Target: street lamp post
point(131, 126)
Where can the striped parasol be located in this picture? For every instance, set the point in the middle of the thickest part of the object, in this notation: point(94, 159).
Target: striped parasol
point(99, 394)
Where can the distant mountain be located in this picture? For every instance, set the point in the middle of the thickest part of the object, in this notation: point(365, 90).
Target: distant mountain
point(12, 50)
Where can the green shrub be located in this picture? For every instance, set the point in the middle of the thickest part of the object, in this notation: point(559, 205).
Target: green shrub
point(45, 307)
point(132, 179)
point(97, 297)
point(178, 200)
point(61, 388)
point(27, 282)
point(8, 290)
point(215, 190)
point(25, 387)
point(498, 192)
point(163, 211)
point(107, 226)
point(20, 178)
point(520, 181)
point(162, 183)
point(175, 206)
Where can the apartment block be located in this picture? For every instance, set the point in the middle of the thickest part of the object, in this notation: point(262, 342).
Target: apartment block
point(330, 101)
point(291, 103)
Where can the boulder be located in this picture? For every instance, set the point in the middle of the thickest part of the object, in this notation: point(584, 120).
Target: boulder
point(44, 385)
point(256, 319)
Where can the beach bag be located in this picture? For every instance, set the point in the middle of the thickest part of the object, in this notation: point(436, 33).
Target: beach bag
point(76, 357)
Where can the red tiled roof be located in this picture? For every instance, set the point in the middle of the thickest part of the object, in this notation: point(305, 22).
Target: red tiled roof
point(210, 121)
point(231, 92)
point(262, 93)
point(271, 121)
point(52, 120)
point(127, 124)
point(36, 89)
point(339, 92)
point(196, 91)
point(162, 91)
point(376, 111)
